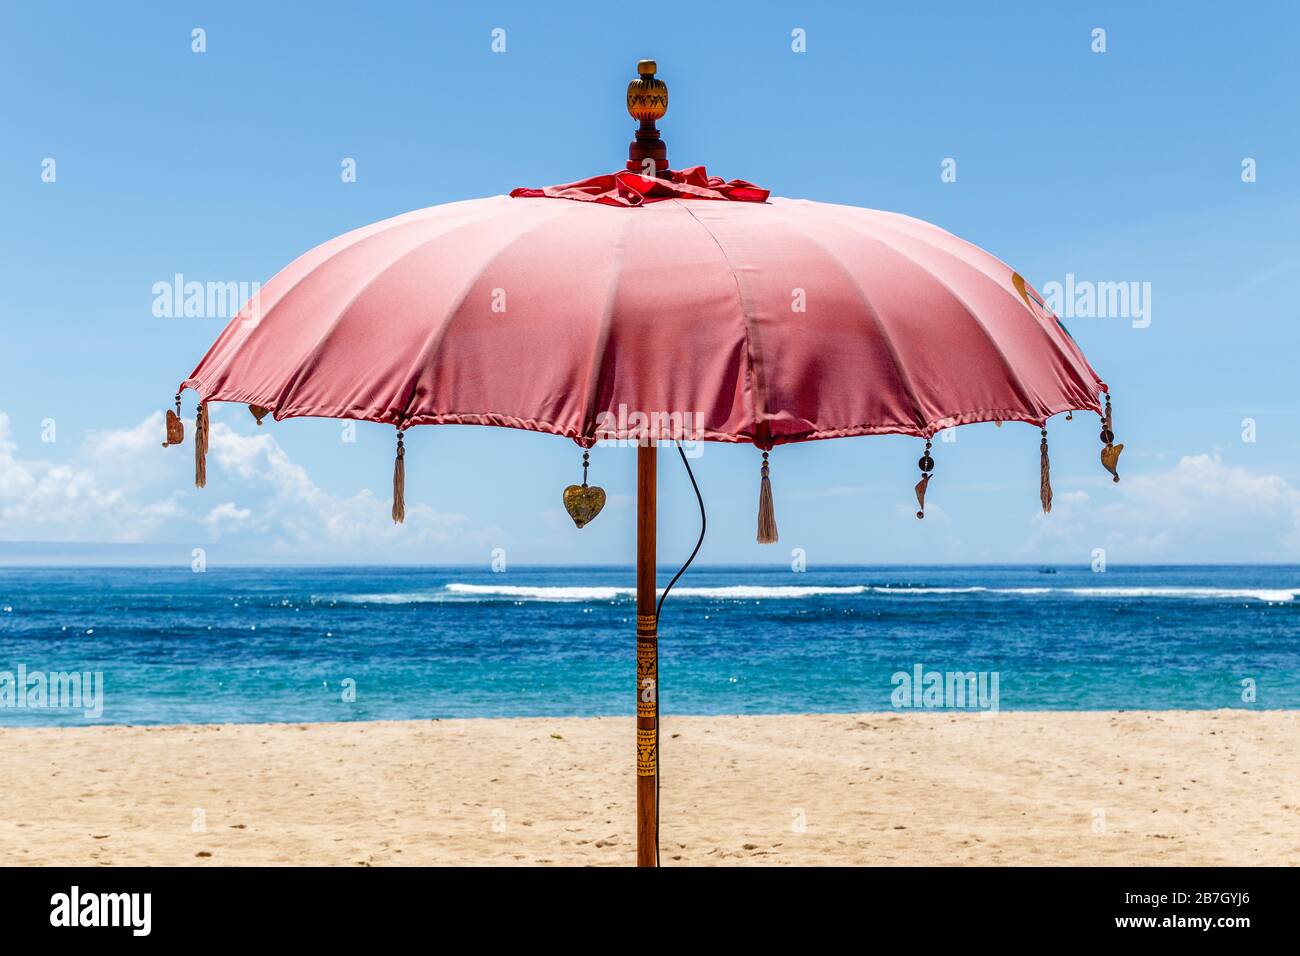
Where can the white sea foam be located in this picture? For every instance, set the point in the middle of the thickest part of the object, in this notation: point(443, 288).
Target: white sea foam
point(457, 591)
point(525, 592)
point(494, 592)
point(1270, 595)
point(912, 590)
point(730, 592)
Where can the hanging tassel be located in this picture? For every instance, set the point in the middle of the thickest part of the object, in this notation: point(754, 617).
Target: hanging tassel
point(1111, 452)
point(201, 446)
point(926, 464)
point(1044, 476)
point(259, 412)
point(766, 510)
point(399, 482)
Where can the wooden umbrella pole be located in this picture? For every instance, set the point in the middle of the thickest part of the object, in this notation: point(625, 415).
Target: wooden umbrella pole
point(647, 663)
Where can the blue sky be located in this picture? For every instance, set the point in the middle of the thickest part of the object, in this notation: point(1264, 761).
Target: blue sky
point(1119, 166)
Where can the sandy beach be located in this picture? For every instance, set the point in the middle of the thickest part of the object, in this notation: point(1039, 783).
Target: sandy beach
point(1166, 787)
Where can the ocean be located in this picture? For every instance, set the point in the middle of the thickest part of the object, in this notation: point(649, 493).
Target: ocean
point(334, 644)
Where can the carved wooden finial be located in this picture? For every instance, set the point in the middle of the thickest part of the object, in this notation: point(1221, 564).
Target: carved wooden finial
point(647, 101)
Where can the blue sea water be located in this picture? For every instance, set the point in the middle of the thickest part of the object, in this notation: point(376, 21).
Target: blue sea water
point(283, 644)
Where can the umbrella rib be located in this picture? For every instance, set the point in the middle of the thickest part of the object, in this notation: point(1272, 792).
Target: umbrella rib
point(1013, 376)
point(1073, 356)
point(753, 361)
point(409, 219)
point(433, 345)
point(922, 422)
point(303, 366)
point(597, 371)
point(1055, 344)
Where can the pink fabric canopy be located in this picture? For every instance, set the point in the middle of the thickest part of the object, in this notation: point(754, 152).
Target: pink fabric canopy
point(772, 321)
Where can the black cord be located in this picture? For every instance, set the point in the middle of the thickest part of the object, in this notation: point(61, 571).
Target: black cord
point(704, 524)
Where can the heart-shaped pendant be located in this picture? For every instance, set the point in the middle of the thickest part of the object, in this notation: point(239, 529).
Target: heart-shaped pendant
point(583, 502)
point(175, 430)
point(1110, 459)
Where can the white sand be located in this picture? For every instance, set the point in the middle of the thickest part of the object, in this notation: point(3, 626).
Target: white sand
point(1171, 787)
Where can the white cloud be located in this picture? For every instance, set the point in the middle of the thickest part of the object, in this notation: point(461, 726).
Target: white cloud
point(227, 517)
point(129, 442)
point(301, 513)
point(42, 500)
point(1200, 510)
point(275, 509)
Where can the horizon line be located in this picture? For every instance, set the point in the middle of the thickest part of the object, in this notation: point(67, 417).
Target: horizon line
point(667, 566)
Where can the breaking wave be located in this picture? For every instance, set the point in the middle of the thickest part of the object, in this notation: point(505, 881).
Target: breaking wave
point(456, 591)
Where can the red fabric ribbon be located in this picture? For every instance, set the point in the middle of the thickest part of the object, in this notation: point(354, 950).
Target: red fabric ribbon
point(626, 188)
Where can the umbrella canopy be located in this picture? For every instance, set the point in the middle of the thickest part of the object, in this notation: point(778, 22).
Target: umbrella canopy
point(650, 305)
point(769, 322)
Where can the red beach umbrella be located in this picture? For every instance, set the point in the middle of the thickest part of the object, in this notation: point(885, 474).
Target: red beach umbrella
point(652, 305)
